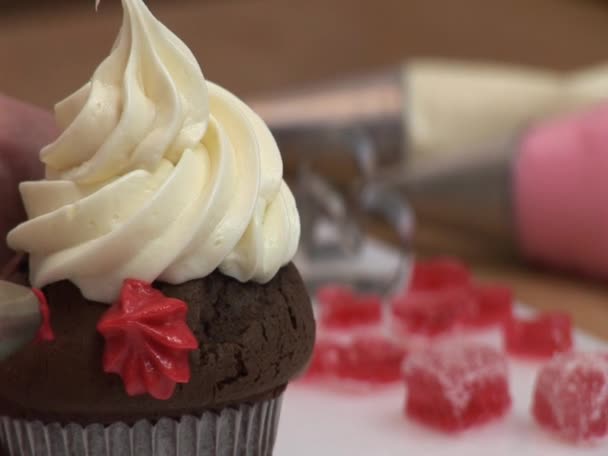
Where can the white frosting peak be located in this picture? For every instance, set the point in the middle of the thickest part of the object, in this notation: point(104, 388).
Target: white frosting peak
point(158, 175)
point(147, 100)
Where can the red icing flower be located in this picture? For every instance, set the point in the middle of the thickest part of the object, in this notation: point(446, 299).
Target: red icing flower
point(45, 333)
point(147, 340)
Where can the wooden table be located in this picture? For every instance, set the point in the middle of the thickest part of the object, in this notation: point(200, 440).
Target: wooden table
point(47, 51)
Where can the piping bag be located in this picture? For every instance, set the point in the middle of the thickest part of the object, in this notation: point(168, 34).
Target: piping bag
point(516, 155)
point(20, 317)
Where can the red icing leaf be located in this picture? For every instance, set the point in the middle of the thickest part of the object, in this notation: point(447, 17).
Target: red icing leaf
point(147, 340)
point(45, 333)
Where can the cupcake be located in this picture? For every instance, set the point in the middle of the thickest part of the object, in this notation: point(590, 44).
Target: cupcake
point(161, 239)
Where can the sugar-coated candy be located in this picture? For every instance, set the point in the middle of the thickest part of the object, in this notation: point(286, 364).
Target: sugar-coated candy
point(366, 358)
point(372, 359)
point(493, 305)
point(539, 337)
point(325, 359)
point(571, 396)
point(432, 312)
point(452, 387)
point(342, 308)
point(439, 273)
point(335, 292)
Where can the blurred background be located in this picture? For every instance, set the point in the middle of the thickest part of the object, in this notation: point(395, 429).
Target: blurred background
point(49, 48)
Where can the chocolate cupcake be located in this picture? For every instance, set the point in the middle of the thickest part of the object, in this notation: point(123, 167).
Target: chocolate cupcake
point(161, 240)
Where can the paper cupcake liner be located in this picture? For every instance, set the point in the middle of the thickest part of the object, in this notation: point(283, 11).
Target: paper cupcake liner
point(246, 430)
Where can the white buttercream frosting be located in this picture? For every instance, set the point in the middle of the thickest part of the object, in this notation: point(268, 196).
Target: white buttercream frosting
point(158, 174)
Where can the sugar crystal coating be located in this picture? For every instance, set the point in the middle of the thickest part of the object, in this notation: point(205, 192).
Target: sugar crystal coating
point(456, 386)
point(571, 396)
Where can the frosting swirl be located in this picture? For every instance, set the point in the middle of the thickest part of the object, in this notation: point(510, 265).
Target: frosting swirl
point(158, 174)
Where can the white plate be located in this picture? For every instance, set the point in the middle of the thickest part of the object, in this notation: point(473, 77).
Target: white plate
point(319, 422)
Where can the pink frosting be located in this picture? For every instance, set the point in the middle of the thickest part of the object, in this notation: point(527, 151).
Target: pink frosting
point(561, 192)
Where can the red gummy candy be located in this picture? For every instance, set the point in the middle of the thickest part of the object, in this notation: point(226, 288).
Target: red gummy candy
point(367, 358)
point(571, 396)
point(493, 305)
point(433, 312)
point(455, 387)
point(45, 332)
point(372, 359)
point(325, 358)
point(439, 273)
point(331, 293)
point(341, 308)
point(540, 337)
point(147, 340)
